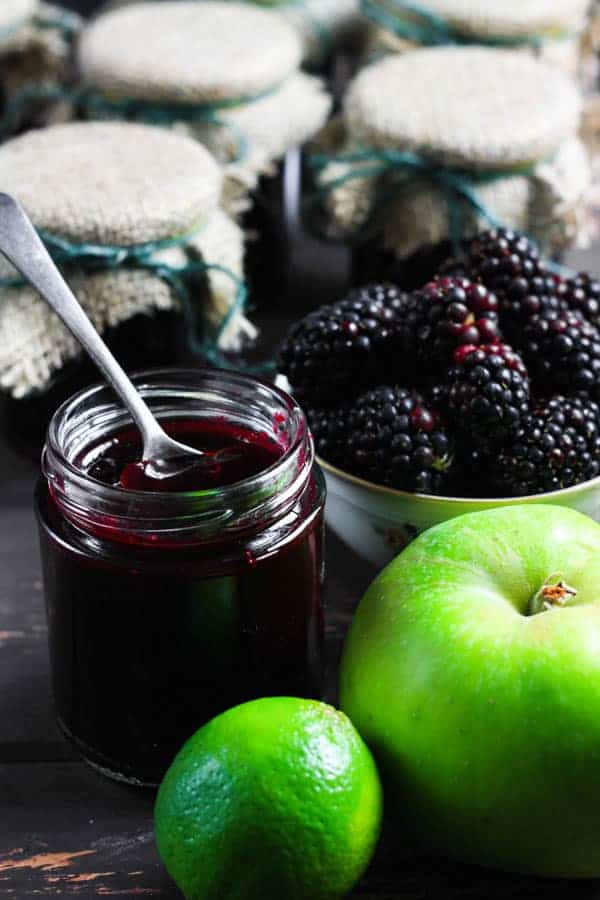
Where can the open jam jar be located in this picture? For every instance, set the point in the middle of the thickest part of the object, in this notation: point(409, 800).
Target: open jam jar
point(166, 608)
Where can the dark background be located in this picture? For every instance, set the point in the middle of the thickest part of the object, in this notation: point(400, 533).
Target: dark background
point(83, 6)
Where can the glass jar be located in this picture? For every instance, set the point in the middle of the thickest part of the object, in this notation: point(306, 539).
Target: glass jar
point(165, 609)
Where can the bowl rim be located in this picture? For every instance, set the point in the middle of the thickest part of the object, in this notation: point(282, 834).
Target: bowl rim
point(438, 498)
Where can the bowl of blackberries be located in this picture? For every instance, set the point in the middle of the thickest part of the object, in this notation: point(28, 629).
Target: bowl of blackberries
point(479, 389)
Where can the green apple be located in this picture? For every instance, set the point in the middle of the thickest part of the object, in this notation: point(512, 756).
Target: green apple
point(472, 669)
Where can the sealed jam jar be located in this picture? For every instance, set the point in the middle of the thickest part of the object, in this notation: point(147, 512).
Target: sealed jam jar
point(166, 607)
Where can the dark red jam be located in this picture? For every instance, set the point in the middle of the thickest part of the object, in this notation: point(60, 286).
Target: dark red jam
point(150, 639)
point(231, 453)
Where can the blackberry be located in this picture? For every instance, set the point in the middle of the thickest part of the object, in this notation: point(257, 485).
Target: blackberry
point(396, 440)
point(562, 353)
point(329, 428)
point(488, 395)
point(557, 446)
point(582, 294)
point(509, 264)
point(345, 345)
point(444, 315)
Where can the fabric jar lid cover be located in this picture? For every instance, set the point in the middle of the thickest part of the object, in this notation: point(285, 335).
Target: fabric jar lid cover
point(133, 206)
point(189, 52)
point(111, 183)
point(14, 13)
point(511, 18)
point(471, 107)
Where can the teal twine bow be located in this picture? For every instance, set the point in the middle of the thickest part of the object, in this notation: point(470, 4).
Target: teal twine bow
point(100, 257)
point(416, 23)
point(458, 186)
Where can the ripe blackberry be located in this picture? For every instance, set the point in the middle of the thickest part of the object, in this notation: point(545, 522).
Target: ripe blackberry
point(557, 446)
point(562, 353)
point(509, 264)
point(443, 315)
point(329, 428)
point(488, 395)
point(345, 345)
point(582, 294)
point(395, 440)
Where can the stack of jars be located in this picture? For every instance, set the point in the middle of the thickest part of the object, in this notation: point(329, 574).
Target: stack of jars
point(215, 115)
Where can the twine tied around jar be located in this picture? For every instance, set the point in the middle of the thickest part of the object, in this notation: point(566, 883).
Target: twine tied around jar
point(89, 257)
point(458, 186)
point(418, 24)
point(476, 136)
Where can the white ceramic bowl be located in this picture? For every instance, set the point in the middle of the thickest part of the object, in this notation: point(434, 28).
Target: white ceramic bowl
point(377, 522)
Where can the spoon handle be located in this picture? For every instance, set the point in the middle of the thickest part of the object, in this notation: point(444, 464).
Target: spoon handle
point(21, 245)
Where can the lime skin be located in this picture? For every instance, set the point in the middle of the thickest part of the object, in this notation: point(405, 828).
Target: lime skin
point(276, 799)
point(475, 680)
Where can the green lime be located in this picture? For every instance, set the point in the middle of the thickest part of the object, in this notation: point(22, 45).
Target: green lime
point(277, 798)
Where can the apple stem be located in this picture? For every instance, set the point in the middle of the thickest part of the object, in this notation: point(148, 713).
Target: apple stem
point(553, 594)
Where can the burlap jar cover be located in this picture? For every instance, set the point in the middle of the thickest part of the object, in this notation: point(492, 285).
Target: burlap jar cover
point(323, 25)
point(139, 203)
point(456, 138)
point(225, 72)
point(35, 44)
point(561, 32)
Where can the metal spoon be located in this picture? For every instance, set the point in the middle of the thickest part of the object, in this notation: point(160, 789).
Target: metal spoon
point(21, 245)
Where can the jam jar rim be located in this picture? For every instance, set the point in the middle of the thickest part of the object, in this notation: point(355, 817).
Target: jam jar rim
point(185, 516)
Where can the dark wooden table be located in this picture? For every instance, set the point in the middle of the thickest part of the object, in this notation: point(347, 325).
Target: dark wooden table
point(67, 831)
